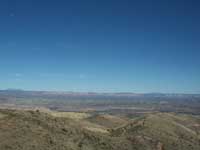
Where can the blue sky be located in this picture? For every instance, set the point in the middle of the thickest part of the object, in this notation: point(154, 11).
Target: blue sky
point(100, 46)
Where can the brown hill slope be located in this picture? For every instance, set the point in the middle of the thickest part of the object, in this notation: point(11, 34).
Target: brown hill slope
point(34, 130)
point(29, 130)
point(163, 131)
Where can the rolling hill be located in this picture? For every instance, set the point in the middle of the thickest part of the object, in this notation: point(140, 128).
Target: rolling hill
point(48, 130)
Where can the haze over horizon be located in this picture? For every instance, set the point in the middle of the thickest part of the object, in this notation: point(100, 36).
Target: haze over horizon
point(125, 93)
point(100, 46)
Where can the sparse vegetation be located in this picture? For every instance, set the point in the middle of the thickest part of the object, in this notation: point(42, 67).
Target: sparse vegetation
point(37, 130)
point(65, 121)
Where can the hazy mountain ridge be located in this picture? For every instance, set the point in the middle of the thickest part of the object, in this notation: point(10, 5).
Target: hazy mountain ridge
point(70, 93)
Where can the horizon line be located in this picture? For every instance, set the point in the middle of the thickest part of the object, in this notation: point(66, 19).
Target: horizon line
point(77, 91)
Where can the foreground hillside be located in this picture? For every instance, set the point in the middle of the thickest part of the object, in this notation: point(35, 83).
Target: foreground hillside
point(36, 130)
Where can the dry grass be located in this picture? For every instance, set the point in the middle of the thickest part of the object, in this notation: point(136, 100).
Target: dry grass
point(71, 115)
point(50, 130)
point(108, 121)
point(2, 116)
point(94, 129)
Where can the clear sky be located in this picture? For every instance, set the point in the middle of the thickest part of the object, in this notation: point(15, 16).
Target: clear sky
point(100, 45)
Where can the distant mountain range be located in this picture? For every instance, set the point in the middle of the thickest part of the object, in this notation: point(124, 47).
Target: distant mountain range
point(116, 94)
